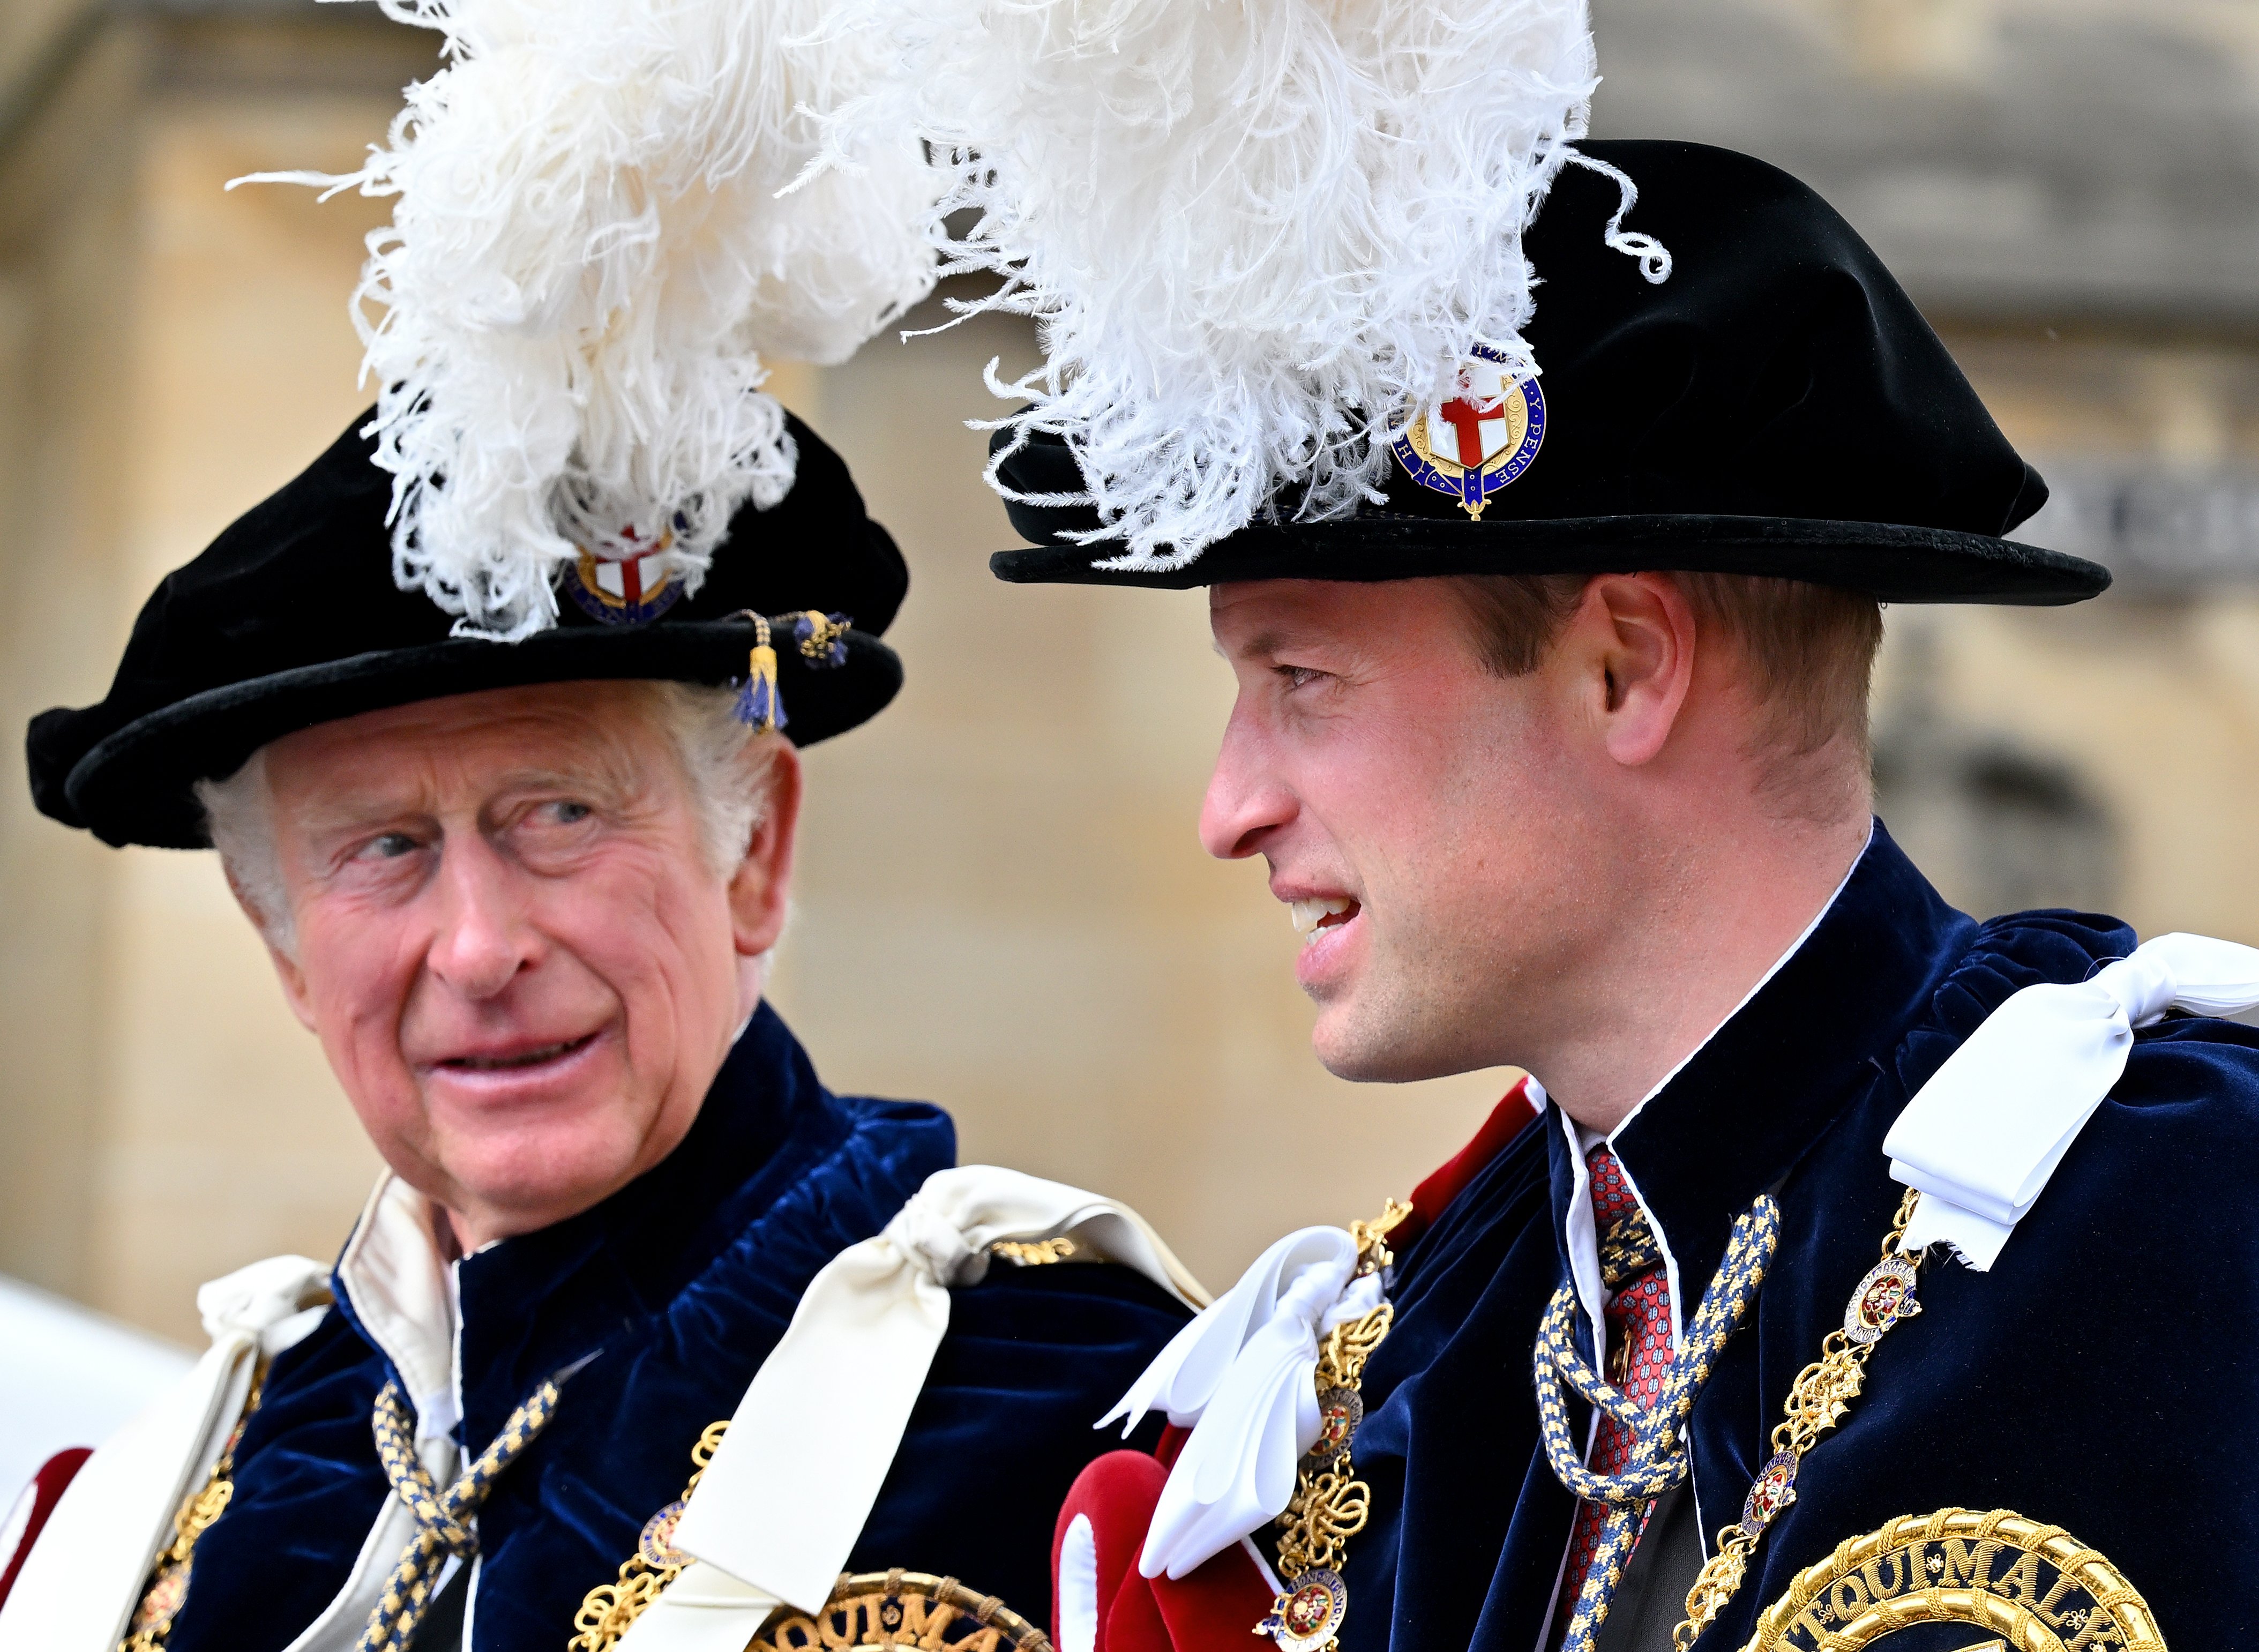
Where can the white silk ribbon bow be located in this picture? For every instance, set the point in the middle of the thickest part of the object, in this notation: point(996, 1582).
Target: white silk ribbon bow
point(786, 1496)
point(1983, 1136)
point(1242, 1371)
point(84, 1576)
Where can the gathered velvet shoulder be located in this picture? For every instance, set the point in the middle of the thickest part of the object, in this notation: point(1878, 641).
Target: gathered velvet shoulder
point(2076, 1381)
point(1034, 1357)
point(2007, 954)
point(618, 1448)
point(2191, 1086)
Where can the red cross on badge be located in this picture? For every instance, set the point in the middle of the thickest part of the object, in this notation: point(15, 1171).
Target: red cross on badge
point(1444, 449)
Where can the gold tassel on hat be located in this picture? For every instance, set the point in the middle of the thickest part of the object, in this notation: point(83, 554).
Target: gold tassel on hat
point(759, 706)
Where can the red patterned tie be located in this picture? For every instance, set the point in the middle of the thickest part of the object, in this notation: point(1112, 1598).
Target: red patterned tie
point(1638, 1318)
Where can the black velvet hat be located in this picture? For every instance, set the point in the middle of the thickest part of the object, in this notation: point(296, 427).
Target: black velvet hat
point(292, 617)
point(1777, 406)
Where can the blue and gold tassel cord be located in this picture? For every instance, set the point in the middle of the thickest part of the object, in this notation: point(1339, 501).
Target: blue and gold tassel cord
point(822, 644)
point(822, 638)
point(1658, 1457)
point(442, 1518)
point(759, 704)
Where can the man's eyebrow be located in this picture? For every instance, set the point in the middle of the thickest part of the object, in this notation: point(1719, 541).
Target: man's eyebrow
point(326, 815)
point(1261, 644)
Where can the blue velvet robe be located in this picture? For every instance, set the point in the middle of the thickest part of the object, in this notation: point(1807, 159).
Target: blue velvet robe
point(678, 1285)
point(2101, 1377)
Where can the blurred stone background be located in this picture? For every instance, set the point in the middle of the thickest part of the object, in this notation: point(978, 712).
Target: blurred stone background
point(1003, 906)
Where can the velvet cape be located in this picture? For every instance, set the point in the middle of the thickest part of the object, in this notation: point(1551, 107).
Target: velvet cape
point(2096, 1379)
point(678, 1285)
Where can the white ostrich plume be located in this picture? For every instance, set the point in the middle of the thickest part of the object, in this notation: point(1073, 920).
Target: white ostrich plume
point(590, 251)
point(1255, 232)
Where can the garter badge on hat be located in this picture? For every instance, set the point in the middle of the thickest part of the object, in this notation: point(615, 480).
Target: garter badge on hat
point(626, 585)
point(1480, 439)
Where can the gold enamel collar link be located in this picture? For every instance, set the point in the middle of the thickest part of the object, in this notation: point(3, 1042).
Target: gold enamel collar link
point(1330, 1504)
point(1817, 1401)
point(2032, 1587)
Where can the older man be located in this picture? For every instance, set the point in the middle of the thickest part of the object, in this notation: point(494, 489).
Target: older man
point(525, 895)
point(1556, 747)
point(492, 714)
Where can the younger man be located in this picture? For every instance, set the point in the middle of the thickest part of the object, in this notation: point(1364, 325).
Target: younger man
point(1558, 751)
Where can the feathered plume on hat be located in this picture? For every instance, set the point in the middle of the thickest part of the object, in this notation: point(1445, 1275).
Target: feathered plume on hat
point(590, 252)
point(1255, 232)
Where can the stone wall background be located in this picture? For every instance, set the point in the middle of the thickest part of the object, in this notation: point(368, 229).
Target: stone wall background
point(1003, 903)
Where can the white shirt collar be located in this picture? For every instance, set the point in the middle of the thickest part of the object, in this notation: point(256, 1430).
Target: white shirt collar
point(404, 1291)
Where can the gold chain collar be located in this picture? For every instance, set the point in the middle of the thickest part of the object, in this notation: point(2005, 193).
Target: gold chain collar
point(169, 1581)
point(1330, 1504)
point(1817, 1401)
point(609, 1609)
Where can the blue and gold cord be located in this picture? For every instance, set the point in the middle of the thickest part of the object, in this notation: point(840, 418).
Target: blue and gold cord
point(441, 1517)
point(1658, 1458)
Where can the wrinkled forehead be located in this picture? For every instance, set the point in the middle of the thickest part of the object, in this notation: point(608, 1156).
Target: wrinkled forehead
point(462, 748)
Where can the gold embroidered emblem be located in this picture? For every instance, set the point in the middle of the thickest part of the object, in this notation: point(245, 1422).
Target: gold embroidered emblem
point(2030, 1586)
point(900, 1610)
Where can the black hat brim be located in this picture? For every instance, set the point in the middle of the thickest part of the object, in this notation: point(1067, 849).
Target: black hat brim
point(1776, 406)
point(136, 784)
point(1892, 563)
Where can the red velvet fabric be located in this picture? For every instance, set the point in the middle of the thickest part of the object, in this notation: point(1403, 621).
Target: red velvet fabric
point(1212, 1609)
point(44, 1491)
point(1215, 1608)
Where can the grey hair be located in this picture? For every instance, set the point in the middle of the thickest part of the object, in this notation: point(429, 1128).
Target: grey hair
point(732, 794)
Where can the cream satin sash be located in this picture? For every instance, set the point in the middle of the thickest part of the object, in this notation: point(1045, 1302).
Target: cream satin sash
point(826, 1411)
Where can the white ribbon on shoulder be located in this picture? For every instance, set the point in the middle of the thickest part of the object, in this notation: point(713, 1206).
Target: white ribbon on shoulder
point(780, 1507)
point(1242, 1372)
point(83, 1577)
point(1983, 1136)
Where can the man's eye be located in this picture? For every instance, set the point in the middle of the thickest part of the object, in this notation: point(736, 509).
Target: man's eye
point(389, 846)
point(1297, 676)
point(566, 813)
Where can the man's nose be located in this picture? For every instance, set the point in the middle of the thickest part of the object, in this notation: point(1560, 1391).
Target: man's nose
point(1246, 800)
point(484, 936)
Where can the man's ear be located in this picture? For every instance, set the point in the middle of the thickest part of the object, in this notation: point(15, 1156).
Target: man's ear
point(761, 885)
point(1631, 641)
